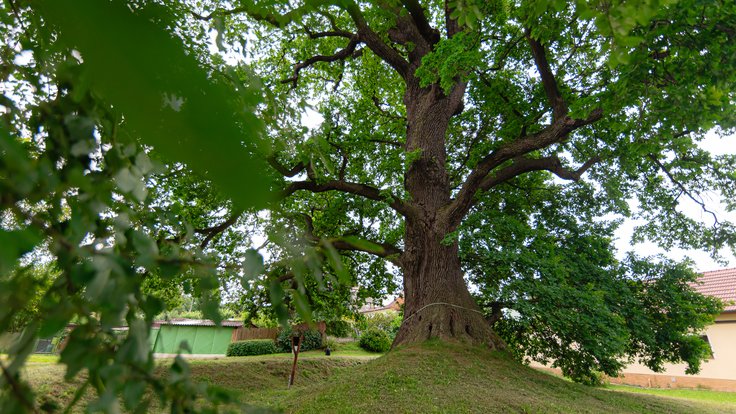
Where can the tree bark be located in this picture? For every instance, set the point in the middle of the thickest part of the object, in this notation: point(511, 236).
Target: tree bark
point(437, 301)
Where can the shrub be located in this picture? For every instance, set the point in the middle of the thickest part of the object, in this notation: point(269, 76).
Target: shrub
point(339, 328)
point(375, 340)
point(312, 340)
point(388, 322)
point(331, 343)
point(252, 347)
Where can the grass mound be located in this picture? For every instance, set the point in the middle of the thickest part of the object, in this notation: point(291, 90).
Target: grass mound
point(433, 377)
point(257, 378)
point(439, 377)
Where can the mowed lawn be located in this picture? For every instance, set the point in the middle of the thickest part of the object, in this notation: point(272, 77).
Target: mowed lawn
point(433, 377)
point(727, 398)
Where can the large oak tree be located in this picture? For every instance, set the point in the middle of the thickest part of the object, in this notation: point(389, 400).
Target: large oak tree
point(490, 141)
point(456, 123)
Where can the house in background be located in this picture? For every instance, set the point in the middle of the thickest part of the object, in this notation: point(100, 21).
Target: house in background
point(371, 308)
point(718, 373)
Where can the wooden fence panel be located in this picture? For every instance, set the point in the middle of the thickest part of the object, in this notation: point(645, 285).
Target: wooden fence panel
point(320, 326)
point(244, 334)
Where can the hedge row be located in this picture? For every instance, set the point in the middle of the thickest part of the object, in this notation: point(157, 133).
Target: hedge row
point(252, 347)
point(312, 340)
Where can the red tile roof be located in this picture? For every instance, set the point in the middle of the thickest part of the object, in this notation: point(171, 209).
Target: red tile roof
point(720, 284)
point(395, 305)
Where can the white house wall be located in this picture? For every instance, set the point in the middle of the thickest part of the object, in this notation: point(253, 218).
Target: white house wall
point(722, 338)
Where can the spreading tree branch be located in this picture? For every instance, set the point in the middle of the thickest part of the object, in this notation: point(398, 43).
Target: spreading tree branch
point(285, 171)
point(218, 12)
point(386, 251)
point(501, 63)
point(345, 243)
point(344, 158)
point(363, 190)
point(697, 200)
point(374, 42)
point(554, 133)
point(364, 35)
point(277, 20)
point(348, 51)
point(416, 11)
point(377, 104)
point(329, 33)
point(211, 232)
point(551, 89)
point(523, 165)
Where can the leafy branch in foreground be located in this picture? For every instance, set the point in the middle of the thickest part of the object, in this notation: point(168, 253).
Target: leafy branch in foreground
point(92, 117)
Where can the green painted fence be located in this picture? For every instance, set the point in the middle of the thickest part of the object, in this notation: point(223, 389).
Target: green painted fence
point(201, 339)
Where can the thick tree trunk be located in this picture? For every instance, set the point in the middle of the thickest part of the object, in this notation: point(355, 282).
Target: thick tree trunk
point(437, 301)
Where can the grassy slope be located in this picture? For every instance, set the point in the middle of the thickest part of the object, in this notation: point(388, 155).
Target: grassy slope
point(258, 379)
point(433, 377)
point(439, 377)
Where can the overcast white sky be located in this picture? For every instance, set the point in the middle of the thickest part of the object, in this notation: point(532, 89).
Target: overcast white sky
point(703, 262)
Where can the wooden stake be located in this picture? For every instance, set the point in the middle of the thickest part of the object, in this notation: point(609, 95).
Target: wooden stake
point(295, 348)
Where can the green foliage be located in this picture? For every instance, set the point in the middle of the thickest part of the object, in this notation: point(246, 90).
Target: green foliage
point(24, 290)
point(339, 328)
point(264, 321)
point(375, 340)
point(206, 118)
point(169, 293)
point(388, 322)
point(451, 61)
point(332, 344)
point(89, 123)
point(575, 292)
point(252, 347)
point(16, 242)
point(311, 339)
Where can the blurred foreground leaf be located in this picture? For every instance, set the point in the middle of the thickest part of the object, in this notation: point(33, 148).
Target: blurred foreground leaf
point(165, 96)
